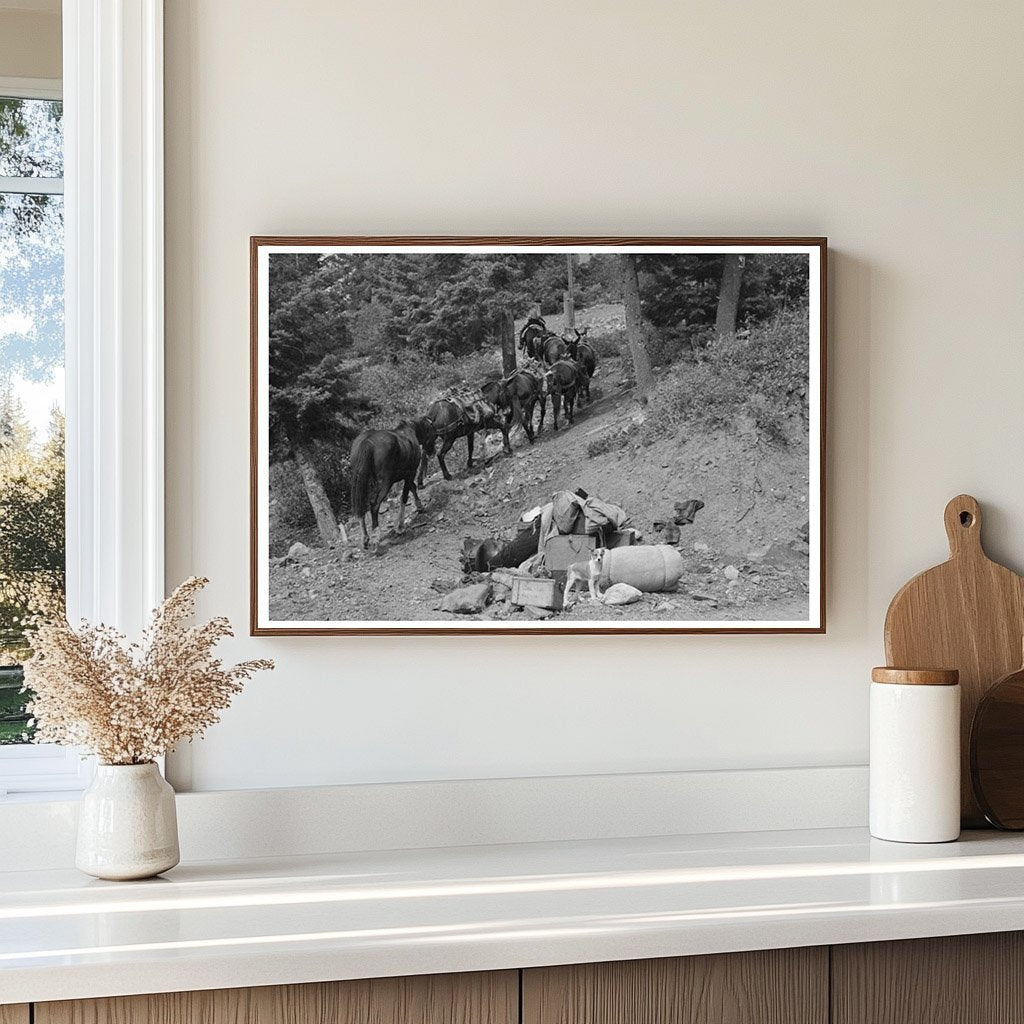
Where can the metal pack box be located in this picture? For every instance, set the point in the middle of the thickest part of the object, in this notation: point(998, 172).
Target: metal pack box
point(540, 593)
point(565, 549)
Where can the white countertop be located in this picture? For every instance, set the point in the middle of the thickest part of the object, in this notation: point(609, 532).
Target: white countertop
point(297, 919)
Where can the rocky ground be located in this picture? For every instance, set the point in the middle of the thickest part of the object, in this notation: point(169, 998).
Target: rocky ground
point(745, 556)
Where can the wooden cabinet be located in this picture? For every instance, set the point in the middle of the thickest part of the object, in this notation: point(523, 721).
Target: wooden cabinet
point(968, 979)
point(963, 979)
point(779, 986)
point(491, 998)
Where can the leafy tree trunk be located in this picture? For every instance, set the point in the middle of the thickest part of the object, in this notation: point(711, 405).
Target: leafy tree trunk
point(729, 301)
point(635, 324)
point(568, 301)
point(318, 500)
point(507, 331)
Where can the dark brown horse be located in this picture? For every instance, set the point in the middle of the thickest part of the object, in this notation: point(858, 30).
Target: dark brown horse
point(453, 419)
point(517, 396)
point(587, 358)
point(381, 458)
point(553, 348)
point(585, 354)
point(572, 336)
point(563, 385)
point(529, 337)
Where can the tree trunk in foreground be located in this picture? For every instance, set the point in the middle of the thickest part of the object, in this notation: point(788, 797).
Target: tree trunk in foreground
point(326, 522)
point(568, 301)
point(507, 331)
point(635, 324)
point(729, 301)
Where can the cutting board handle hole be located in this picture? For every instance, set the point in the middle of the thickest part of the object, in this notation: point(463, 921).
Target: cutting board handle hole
point(966, 519)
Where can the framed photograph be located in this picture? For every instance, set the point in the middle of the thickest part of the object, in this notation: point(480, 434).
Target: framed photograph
point(537, 435)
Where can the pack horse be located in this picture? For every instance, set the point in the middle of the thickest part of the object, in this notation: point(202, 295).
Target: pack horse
point(382, 458)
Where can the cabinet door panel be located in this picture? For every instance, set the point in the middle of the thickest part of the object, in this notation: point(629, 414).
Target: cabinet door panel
point(14, 1014)
point(961, 979)
point(484, 998)
point(779, 986)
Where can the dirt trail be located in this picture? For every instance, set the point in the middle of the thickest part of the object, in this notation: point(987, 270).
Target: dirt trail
point(751, 491)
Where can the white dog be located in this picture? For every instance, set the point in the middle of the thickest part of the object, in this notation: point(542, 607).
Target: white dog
point(589, 572)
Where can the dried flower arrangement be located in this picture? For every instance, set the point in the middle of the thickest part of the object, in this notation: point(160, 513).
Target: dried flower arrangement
point(130, 703)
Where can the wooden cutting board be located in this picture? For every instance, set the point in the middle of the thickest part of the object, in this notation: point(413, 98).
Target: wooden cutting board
point(967, 614)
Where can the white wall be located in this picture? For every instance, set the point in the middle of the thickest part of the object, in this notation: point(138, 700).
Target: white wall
point(30, 41)
point(895, 129)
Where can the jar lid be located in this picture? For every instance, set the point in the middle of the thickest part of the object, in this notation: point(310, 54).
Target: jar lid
point(916, 676)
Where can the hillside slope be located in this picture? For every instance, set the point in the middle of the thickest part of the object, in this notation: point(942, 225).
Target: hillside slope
point(745, 556)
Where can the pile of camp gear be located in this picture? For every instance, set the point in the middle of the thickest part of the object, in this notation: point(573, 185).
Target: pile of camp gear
point(568, 530)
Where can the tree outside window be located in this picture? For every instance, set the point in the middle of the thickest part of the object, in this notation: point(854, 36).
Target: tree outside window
point(32, 541)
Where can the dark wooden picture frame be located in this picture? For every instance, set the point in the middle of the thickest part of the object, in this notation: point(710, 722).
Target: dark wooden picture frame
point(262, 625)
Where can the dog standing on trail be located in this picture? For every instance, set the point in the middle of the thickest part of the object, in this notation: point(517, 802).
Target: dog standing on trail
point(589, 572)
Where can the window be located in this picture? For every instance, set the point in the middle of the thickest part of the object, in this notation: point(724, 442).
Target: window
point(31, 382)
point(32, 531)
point(112, 212)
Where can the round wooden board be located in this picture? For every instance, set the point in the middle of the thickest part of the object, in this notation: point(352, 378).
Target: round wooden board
point(997, 753)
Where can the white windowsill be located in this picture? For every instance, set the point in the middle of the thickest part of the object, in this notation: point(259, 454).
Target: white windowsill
point(48, 797)
point(242, 824)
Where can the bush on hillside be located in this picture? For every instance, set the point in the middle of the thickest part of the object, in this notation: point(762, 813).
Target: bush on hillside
point(404, 389)
point(762, 381)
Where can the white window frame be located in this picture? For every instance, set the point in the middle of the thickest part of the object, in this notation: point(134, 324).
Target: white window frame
point(114, 323)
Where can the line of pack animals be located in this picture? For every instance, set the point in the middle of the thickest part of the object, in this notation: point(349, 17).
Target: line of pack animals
point(559, 367)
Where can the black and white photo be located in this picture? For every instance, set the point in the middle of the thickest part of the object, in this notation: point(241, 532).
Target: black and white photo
point(537, 435)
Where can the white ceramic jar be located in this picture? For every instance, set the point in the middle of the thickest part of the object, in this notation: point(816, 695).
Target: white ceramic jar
point(127, 823)
point(915, 755)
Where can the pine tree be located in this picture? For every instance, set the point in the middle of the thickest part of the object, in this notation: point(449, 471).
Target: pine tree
point(729, 300)
point(635, 325)
point(312, 394)
point(32, 544)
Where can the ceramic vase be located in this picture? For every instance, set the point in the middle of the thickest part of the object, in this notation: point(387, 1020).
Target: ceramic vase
point(127, 824)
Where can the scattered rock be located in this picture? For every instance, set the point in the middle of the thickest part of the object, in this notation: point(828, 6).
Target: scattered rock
point(307, 572)
point(621, 593)
point(731, 573)
point(467, 600)
point(499, 610)
point(500, 592)
point(504, 577)
point(696, 595)
point(701, 546)
point(787, 553)
point(443, 586)
point(537, 613)
point(298, 550)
